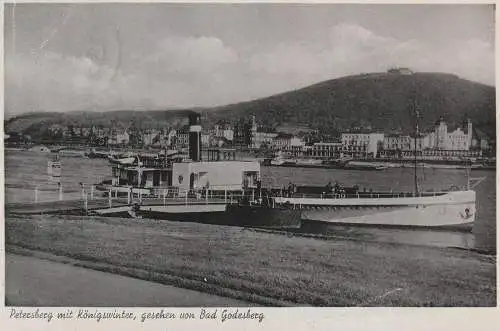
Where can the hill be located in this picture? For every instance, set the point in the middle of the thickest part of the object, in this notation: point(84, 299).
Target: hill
point(36, 123)
point(380, 101)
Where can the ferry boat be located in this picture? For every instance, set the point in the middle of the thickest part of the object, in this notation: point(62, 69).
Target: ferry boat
point(149, 181)
point(450, 209)
point(453, 208)
point(192, 181)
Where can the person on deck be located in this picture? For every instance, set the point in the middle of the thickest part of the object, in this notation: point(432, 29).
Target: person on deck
point(290, 190)
point(336, 188)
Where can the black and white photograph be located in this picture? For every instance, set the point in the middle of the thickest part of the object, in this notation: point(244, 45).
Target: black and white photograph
point(249, 155)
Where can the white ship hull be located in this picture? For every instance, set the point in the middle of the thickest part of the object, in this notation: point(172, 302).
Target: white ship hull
point(451, 210)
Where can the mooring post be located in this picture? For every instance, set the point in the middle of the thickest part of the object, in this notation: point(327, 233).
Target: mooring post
point(109, 197)
point(85, 203)
point(225, 195)
point(60, 192)
point(206, 195)
point(92, 192)
point(128, 197)
point(186, 197)
point(164, 197)
point(253, 195)
point(83, 191)
point(36, 194)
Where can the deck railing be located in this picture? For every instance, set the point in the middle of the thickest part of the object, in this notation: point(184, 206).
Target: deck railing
point(174, 195)
point(361, 195)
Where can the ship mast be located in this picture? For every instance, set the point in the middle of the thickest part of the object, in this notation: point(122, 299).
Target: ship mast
point(417, 134)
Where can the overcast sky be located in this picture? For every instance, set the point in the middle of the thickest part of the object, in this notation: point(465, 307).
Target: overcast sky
point(158, 56)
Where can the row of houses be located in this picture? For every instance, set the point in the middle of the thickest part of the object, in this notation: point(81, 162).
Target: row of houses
point(437, 143)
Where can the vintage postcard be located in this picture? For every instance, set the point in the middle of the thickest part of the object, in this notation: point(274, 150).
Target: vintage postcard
point(249, 165)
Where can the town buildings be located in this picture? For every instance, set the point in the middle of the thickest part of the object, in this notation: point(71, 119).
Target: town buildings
point(119, 137)
point(329, 150)
point(261, 137)
point(436, 144)
point(362, 144)
point(440, 142)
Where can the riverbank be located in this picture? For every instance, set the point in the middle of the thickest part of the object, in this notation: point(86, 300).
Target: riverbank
point(261, 268)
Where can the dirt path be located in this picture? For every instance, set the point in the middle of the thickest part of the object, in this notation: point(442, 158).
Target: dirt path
point(35, 282)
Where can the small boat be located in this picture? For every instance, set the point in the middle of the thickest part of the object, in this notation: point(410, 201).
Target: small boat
point(54, 166)
point(283, 159)
point(309, 162)
point(353, 165)
point(39, 149)
point(72, 153)
point(124, 161)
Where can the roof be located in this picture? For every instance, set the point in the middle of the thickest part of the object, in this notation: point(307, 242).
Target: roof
point(266, 130)
point(282, 135)
point(363, 131)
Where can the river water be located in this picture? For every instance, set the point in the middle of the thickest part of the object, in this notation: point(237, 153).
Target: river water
point(26, 170)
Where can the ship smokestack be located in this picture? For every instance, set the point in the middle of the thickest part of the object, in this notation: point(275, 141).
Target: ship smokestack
point(195, 137)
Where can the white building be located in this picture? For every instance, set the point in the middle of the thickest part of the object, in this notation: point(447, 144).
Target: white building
point(262, 137)
point(223, 132)
point(151, 137)
point(119, 138)
point(327, 150)
point(362, 144)
point(457, 140)
point(170, 139)
point(395, 142)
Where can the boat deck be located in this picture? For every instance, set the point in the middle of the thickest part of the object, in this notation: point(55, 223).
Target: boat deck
point(69, 206)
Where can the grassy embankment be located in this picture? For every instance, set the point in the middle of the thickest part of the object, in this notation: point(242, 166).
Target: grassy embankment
point(264, 268)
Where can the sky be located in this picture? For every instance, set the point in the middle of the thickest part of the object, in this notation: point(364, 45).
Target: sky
point(99, 57)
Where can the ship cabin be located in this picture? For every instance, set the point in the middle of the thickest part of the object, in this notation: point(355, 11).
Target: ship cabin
point(144, 171)
point(219, 171)
point(210, 169)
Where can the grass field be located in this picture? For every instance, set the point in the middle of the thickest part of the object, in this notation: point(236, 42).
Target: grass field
point(263, 268)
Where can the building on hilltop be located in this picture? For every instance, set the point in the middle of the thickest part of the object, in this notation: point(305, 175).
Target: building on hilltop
point(400, 71)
